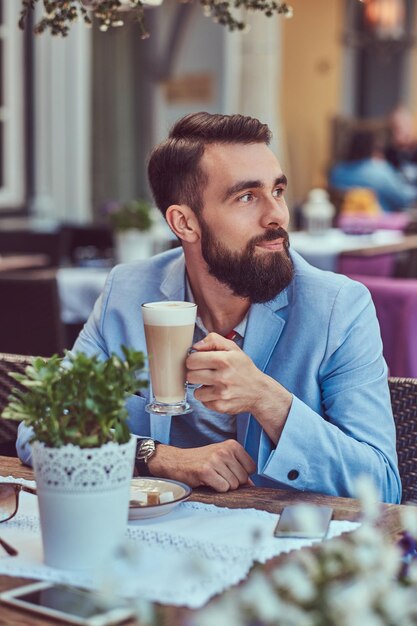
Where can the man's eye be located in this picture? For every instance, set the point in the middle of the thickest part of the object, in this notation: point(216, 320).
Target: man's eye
point(278, 192)
point(247, 197)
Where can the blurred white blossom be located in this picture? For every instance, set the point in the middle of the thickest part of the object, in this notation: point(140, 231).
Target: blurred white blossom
point(357, 579)
point(368, 495)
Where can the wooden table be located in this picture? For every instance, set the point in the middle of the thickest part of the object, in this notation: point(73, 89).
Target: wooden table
point(272, 500)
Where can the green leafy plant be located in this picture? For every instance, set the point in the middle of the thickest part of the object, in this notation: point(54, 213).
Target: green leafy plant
point(134, 214)
point(79, 399)
point(61, 14)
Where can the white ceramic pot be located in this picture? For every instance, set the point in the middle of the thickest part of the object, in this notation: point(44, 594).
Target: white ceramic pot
point(83, 499)
point(132, 245)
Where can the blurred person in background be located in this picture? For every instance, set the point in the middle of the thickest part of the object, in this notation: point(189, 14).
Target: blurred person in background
point(365, 166)
point(401, 150)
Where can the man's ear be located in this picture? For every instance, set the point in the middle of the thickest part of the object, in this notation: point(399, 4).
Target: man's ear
point(183, 222)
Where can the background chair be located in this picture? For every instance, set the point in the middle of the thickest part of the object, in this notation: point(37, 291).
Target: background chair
point(85, 244)
point(404, 406)
point(19, 241)
point(395, 302)
point(9, 363)
point(382, 265)
point(30, 317)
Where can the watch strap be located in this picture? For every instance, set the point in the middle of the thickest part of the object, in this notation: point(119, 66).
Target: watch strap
point(141, 463)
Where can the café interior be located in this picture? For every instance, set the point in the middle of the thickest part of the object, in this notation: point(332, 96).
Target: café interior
point(79, 116)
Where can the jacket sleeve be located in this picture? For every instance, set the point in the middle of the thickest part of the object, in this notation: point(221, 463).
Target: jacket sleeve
point(355, 433)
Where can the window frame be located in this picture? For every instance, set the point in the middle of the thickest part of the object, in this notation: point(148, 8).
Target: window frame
point(12, 113)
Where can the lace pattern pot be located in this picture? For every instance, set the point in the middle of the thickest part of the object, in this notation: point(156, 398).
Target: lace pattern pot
point(73, 469)
point(83, 501)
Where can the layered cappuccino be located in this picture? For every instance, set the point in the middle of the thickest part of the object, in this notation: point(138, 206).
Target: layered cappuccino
point(169, 330)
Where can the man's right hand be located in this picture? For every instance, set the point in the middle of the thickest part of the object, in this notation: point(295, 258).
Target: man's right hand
point(222, 466)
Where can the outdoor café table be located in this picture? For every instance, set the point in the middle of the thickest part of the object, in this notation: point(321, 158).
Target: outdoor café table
point(337, 251)
point(272, 500)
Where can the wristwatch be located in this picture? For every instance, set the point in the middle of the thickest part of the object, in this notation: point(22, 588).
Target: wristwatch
point(145, 449)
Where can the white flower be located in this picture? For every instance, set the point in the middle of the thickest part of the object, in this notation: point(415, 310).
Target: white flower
point(293, 615)
point(354, 595)
point(295, 578)
point(224, 612)
point(260, 597)
point(409, 519)
point(412, 573)
point(368, 495)
point(289, 14)
point(118, 579)
point(307, 518)
point(309, 561)
point(397, 604)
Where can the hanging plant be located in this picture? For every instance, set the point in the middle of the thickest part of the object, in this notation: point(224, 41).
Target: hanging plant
point(59, 15)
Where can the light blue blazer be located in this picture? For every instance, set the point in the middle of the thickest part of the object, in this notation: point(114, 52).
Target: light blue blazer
point(319, 338)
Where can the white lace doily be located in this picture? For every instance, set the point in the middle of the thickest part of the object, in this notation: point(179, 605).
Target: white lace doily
point(75, 469)
point(183, 558)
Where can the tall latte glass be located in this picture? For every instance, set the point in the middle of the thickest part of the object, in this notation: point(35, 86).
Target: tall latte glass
point(169, 330)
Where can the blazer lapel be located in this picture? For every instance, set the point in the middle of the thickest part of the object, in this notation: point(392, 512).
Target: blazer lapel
point(263, 331)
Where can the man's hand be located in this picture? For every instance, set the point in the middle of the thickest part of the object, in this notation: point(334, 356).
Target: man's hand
point(231, 383)
point(227, 375)
point(222, 466)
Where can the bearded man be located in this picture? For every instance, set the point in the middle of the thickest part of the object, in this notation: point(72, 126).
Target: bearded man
point(290, 385)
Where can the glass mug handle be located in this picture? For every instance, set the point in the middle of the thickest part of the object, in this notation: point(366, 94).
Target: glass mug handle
point(188, 385)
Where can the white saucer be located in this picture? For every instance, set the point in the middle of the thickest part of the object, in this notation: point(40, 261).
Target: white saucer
point(179, 490)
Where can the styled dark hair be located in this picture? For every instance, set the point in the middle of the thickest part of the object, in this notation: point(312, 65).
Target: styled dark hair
point(174, 168)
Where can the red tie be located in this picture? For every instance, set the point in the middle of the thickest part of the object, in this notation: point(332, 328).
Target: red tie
point(232, 335)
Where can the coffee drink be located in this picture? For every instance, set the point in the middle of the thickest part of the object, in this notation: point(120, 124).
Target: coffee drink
point(169, 330)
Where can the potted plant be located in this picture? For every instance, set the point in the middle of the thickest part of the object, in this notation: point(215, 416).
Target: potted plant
point(82, 450)
point(131, 222)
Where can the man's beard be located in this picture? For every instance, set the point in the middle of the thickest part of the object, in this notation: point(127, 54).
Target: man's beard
point(259, 277)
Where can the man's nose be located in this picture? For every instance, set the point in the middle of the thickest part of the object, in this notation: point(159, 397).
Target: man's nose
point(275, 213)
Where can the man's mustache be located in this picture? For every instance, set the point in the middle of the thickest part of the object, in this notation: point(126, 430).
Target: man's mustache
point(271, 235)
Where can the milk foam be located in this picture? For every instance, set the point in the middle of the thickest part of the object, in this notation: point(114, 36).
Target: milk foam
point(169, 313)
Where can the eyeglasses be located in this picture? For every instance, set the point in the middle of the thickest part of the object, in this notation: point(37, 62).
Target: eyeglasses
point(9, 499)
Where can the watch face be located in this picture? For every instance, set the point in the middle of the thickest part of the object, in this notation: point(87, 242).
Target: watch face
point(145, 449)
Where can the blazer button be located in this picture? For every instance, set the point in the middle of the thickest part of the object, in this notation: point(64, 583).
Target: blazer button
point(293, 474)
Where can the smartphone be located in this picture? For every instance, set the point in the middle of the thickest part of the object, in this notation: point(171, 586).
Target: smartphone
point(67, 603)
point(304, 521)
